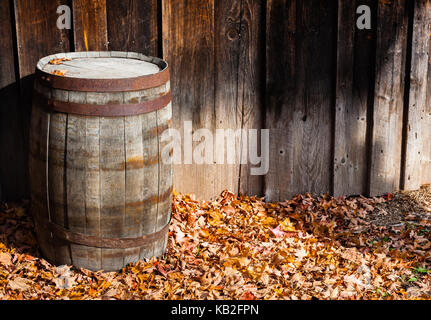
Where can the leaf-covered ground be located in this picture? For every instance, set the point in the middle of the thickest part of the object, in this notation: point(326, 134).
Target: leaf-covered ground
point(244, 248)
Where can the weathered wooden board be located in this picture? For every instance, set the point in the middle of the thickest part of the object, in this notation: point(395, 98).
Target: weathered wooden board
point(165, 174)
point(151, 188)
point(238, 89)
point(90, 26)
point(426, 133)
point(417, 128)
point(112, 188)
point(134, 183)
point(300, 93)
point(39, 184)
point(133, 26)
point(57, 180)
point(392, 25)
point(251, 85)
point(228, 113)
point(76, 184)
point(353, 91)
point(188, 46)
point(220, 90)
point(12, 156)
point(37, 36)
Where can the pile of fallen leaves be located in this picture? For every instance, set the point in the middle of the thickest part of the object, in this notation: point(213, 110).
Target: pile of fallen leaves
point(243, 248)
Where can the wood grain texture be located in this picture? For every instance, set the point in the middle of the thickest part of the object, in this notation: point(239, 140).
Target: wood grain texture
point(134, 183)
point(37, 36)
point(12, 156)
point(238, 89)
point(228, 17)
point(133, 26)
point(57, 180)
point(76, 184)
point(220, 90)
point(385, 170)
point(90, 25)
point(417, 130)
point(188, 45)
point(353, 91)
point(165, 174)
point(426, 134)
point(112, 188)
point(151, 178)
point(37, 32)
point(38, 180)
point(251, 85)
point(299, 88)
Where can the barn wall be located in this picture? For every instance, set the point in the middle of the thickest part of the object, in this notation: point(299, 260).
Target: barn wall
point(348, 110)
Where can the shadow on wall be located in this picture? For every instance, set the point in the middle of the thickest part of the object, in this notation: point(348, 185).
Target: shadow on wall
point(14, 129)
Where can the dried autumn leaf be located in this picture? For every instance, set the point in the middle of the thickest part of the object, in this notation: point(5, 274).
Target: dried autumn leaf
point(5, 259)
point(20, 284)
point(248, 296)
point(58, 61)
point(59, 72)
point(277, 232)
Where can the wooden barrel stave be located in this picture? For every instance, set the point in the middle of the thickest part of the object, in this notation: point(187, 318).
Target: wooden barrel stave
point(56, 179)
point(164, 121)
point(38, 170)
point(151, 189)
point(104, 177)
point(134, 188)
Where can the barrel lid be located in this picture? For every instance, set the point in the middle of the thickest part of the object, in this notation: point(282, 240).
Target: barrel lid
point(102, 71)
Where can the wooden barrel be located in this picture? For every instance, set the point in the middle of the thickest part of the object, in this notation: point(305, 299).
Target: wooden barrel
point(100, 189)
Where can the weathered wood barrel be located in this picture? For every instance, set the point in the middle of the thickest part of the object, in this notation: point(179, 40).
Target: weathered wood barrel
point(100, 190)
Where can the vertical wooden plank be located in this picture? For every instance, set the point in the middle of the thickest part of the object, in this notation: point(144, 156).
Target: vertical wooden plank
point(426, 140)
point(56, 182)
point(188, 45)
point(38, 183)
point(300, 77)
point(37, 32)
point(151, 179)
point(76, 182)
point(353, 89)
point(164, 206)
point(238, 90)
point(112, 188)
point(228, 114)
point(251, 84)
point(12, 157)
point(37, 36)
point(92, 187)
point(134, 184)
point(417, 129)
point(133, 26)
point(90, 26)
point(385, 170)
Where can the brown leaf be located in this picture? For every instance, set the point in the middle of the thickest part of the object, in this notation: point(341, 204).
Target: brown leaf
point(20, 284)
point(5, 259)
point(59, 72)
point(58, 61)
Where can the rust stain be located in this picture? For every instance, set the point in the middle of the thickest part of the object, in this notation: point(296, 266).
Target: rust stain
point(136, 162)
point(139, 162)
point(153, 199)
